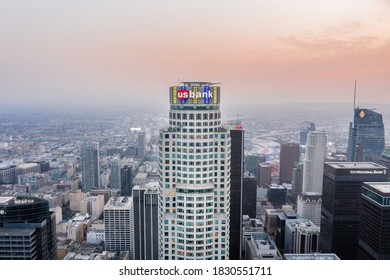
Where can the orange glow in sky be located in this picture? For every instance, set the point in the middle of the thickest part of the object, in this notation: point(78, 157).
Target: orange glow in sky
point(115, 52)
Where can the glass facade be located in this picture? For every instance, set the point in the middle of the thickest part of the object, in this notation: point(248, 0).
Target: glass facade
point(366, 140)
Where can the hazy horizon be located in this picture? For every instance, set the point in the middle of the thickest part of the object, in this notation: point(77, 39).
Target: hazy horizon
point(124, 53)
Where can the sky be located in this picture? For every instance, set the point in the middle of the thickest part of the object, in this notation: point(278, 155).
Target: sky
point(127, 53)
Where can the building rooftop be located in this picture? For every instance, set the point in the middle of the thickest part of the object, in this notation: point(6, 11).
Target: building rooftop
point(27, 165)
point(383, 187)
point(354, 165)
point(123, 202)
point(314, 256)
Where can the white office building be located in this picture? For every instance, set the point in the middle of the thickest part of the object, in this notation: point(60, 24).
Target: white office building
point(119, 225)
point(309, 202)
point(194, 185)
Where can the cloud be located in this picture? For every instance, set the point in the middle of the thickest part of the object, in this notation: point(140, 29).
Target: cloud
point(348, 37)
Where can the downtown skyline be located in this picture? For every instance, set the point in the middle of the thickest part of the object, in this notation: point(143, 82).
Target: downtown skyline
point(125, 54)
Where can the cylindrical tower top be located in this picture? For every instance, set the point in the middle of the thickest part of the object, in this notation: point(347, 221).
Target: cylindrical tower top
point(194, 94)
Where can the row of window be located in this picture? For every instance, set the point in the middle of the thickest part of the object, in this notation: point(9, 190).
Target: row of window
point(197, 124)
point(179, 136)
point(193, 116)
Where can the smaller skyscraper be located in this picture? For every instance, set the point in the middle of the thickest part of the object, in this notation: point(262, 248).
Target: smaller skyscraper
point(341, 205)
point(236, 191)
point(309, 207)
point(374, 238)
point(146, 243)
point(265, 174)
point(301, 237)
point(309, 202)
point(119, 225)
point(297, 181)
point(366, 140)
point(141, 144)
point(289, 155)
point(90, 166)
point(306, 127)
point(249, 195)
point(126, 180)
point(316, 149)
point(116, 172)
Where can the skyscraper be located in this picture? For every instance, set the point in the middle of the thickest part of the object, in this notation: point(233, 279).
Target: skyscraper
point(119, 225)
point(341, 205)
point(126, 180)
point(194, 157)
point(265, 172)
point(146, 244)
point(141, 144)
point(306, 127)
point(289, 154)
point(249, 195)
point(366, 140)
point(309, 202)
point(236, 191)
point(297, 180)
point(374, 237)
point(316, 149)
point(27, 229)
point(116, 172)
point(90, 167)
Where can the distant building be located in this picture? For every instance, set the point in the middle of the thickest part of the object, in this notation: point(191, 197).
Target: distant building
point(95, 232)
point(309, 207)
point(306, 127)
point(249, 227)
point(141, 144)
point(309, 201)
point(35, 180)
point(8, 174)
point(26, 168)
point(281, 228)
point(277, 195)
point(140, 178)
point(289, 155)
point(116, 173)
point(301, 237)
point(374, 239)
point(297, 181)
point(90, 166)
point(126, 180)
point(249, 195)
point(260, 246)
point(340, 222)
point(119, 225)
point(366, 140)
point(92, 205)
point(265, 172)
point(316, 150)
point(271, 219)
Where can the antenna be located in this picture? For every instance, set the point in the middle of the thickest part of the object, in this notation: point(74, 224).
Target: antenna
point(354, 99)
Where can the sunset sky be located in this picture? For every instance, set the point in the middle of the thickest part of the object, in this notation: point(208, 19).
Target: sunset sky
point(126, 53)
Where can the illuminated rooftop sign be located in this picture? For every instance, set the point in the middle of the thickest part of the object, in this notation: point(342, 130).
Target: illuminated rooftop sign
point(194, 95)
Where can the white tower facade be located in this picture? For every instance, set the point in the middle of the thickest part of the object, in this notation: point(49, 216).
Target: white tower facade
point(309, 202)
point(316, 149)
point(194, 186)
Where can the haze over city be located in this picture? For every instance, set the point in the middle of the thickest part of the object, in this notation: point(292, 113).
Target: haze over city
point(125, 54)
